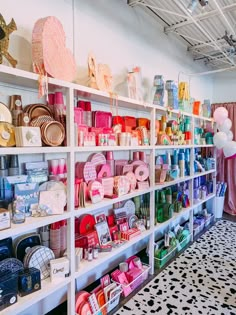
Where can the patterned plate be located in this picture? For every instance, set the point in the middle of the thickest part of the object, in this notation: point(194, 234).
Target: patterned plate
point(38, 121)
point(5, 113)
point(40, 259)
point(36, 110)
point(11, 264)
point(129, 207)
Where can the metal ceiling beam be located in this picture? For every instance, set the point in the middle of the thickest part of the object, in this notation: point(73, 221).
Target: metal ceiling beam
point(133, 3)
point(226, 22)
point(182, 6)
point(154, 7)
point(205, 44)
point(200, 17)
point(195, 40)
point(210, 57)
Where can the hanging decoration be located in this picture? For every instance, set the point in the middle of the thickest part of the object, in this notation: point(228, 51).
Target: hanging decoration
point(223, 138)
point(49, 52)
point(5, 31)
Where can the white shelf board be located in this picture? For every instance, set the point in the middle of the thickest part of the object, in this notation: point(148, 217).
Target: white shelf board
point(32, 223)
point(203, 118)
point(87, 266)
point(26, 79)
point(104, 97)
point(108, 202)
point(166, 147)
point(29, 79)
point(173, 218)
point(203, 173)
point(113, 148)
point(47, 287)
point(190, 146)
point(178, 111)
point(173, 182)
point(200, 202)
point(34, 150)
point(203, 146)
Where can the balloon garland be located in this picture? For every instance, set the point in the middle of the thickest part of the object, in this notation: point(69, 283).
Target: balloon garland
point(223, 139)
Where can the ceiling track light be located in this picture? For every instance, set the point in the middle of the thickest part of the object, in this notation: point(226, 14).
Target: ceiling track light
point(203, 3)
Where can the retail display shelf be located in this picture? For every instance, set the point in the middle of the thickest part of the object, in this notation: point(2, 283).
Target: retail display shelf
point(27, 82)
point(34, 150)
point(108, 202)
point(86, 266)
point(29, 79)
point(173, 182)
point(113, 148)
point(200, 202)
point(47, 287)
point(32, 223)
point(173, 218)
point(204, 173)
point(106, 98)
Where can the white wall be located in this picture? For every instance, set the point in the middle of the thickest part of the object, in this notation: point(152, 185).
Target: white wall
point(224, 87)
point(115, 33)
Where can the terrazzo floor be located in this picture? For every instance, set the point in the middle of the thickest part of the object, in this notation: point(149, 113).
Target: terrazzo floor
point(200, 281)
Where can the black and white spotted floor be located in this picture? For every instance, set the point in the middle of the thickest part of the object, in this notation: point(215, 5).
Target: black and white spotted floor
point(200, 281)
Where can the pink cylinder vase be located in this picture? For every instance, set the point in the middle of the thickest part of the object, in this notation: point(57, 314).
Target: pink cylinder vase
point(136, 156)
point(51, 100)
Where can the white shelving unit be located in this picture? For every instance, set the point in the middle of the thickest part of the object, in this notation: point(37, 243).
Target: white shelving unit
point(28, 82)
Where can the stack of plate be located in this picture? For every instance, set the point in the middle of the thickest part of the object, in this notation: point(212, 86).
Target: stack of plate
point(52, 133)
point(39, 121)
point(23, 243)
point(37, 110)
point(39, 257)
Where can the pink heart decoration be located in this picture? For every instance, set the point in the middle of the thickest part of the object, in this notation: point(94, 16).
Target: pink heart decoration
point(49, 52)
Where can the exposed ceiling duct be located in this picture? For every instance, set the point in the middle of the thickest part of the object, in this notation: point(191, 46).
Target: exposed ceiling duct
point(208, 27)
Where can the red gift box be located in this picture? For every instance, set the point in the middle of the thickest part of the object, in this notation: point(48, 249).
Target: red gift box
point(88, 240)
point(110, 220)
point(113, 229)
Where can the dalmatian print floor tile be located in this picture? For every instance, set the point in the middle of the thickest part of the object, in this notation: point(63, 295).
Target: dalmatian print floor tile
point(200, 281)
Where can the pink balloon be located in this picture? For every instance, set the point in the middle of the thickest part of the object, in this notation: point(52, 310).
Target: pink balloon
point(220, 114)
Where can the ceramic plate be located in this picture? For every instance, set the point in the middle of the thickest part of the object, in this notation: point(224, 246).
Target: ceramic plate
point(40, 259)
point(5, 114)
point(24, 242)
point(11, 264)
point(6, 249)
point(7, 135)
